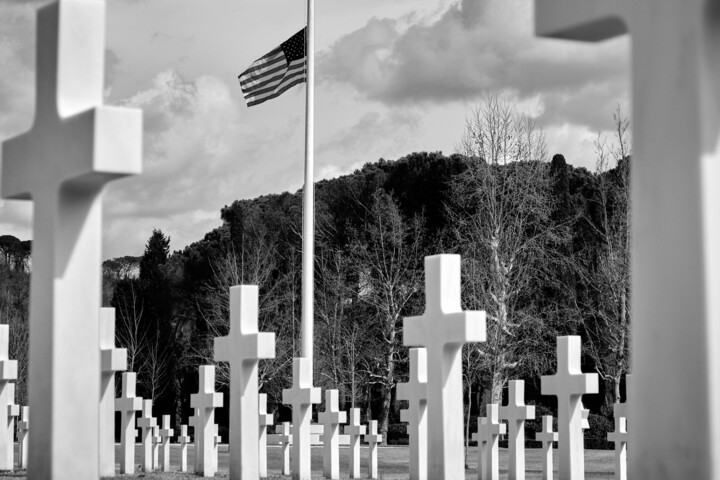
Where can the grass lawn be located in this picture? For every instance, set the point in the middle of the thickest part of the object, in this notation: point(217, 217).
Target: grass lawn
point(392, 464)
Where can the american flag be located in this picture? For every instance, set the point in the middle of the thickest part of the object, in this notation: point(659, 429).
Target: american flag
point(275, 72)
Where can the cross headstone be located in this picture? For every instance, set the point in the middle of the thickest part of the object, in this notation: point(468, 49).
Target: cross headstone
point(194, 422)
point(166, 433)
point(243, 348)
point(488, 434)
point(156, 440)
point(585, 415)
point(373, 438)
point(415, 392)
point(147, 424)
point(443, 329)
point(516, 412)
point(127, 405)
point(331, 419)
point(265, 420)
point(8, 372)
point(547, 437)
point(285, 442)
point(111, 360)
point(13, 411)
point(206, 401)
point(355, 431)
point(183, 440)
point(75, 147)
point(23, 430)
point(301, 396)
point(619, 437)
point(569, 384)
point(216, 439)
point(675, 228)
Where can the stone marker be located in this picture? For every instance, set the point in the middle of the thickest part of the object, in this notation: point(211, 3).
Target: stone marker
point(8, 372)
point(166, 433)
point(675, 230)
point(373, 438)
point(489, 431)
point(516, 412)
point(285, 442)
point(75, 147)
point(585, 415)
point(13, 411)
point(194, 421)
point(443, 329)
point(331, 419)
point(301, 397)
point(569, 384)
point(415, 392)
point(206, 401)
point(355, 431)
point(265, 419)
point(111, 360)
point(216, 446)
point(183, 439)
point(156, 440)
point(23, 430)
point(147, 424)
point(619, 437)
point(243, 348)
point(127, 405)
point(547, 437)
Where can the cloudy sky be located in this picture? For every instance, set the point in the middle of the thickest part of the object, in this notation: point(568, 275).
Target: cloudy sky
point(393, 77)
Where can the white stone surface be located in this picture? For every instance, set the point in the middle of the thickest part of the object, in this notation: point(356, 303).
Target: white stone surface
point(23, 430)
point(13, 411)
point(265, 420)
point(443, 329)
point(111, 360)
point(206, 401)
point(547, 437)
point(619, 437)
point(488, 434)
point(355, 431)
point(569, 384)
point(147, 424)
point(166, 433)
point(216, 446)
point(156, 441)
point(675, 226)
point(516, 413)
point(8, 372)
point(127, 405)
point(373, 439)
point(415, 392)
point(285, 442)
point(585, 414)
point(194, 422)
point(331, 419)
point(75, 147)
point(301, 397)
point(183, 440)
point(243, 348)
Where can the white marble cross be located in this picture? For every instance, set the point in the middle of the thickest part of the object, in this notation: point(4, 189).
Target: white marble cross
point(243, 348)
point(547, 437)
point(127, 405)
point(302, 395)
point(156, 440)
point(8, 372)
point(286, 440)
point(75, 147)
point(619, 437)
point(147, 424)
point(194, 422)
point(516, 412)
point(675, 223)
point(415, 392)
point(331, 419)
point(443, 329)
point(166, 433)
point(183, 440)
point(265, 420)
point(23, 430)
point(569, 384)
point(111, 360)
point(13, 411)
point(373, 438)
point(206, 401)
point(216, 439)
point(355, 431)
point(488, 434)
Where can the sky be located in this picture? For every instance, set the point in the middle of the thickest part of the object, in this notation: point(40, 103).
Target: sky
point(392, 77)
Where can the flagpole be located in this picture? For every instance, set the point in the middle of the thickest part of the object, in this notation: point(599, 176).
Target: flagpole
point(308, 238)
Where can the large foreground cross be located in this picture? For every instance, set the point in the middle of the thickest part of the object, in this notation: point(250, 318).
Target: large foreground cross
point(75, 147)
point(675, 227)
